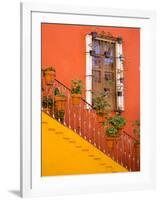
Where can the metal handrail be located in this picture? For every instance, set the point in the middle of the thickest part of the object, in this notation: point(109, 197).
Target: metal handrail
point(70, 91)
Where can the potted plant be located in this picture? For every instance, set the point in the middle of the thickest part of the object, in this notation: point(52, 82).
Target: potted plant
point(49, 75)
point(136, 132)
point(100, 104)
point(76, 91)
point(60, 100)
point(114, 126)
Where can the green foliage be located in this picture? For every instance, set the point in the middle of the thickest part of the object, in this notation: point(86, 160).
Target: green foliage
point(117, 121)
point(58, 93)
point(112, 131)
point(114, 125)
point(100, 104)
point(77, 86)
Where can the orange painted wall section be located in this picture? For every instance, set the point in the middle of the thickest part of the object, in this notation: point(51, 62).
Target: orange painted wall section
point(63, 46)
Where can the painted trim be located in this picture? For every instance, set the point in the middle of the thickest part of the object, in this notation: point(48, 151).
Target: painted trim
point(119, 75)
point(88, 69)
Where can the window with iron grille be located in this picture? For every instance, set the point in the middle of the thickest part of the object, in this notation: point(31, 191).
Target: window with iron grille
point(104, 70)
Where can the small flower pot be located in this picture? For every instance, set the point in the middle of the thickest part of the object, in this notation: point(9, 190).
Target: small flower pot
point(76, 99)
point(60, 103)
point(111, 141)
point(49, 77)
point(100, 118)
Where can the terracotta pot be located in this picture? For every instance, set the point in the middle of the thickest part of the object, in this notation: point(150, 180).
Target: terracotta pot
point(50, 77)
point(60, 102)
point(76, 99)
point(111, 141)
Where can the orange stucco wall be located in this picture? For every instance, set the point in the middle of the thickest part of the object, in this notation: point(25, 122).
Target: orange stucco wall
point(63, 46)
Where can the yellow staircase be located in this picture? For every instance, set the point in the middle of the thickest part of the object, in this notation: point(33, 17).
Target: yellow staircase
point(64, 152)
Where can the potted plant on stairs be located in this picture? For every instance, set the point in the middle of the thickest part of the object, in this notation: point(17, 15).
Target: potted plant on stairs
point(76, 91)
point(49, 75)
point(100, 104)
point(60, 100)
point(114, 126)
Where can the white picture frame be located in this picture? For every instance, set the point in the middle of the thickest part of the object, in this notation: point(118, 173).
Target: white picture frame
point(32, 184)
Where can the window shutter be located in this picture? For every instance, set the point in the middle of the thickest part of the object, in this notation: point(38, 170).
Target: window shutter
point(119, 77)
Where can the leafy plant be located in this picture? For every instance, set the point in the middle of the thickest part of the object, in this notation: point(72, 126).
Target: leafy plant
point(100, 104)
point(57, 92)
point(76, 86)
point(117, 121)
point(112, 131)
point(114, 124)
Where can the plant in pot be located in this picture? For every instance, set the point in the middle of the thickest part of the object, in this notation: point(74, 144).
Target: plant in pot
point(114, 126)
point(60, 100)
point(100, 104)
point(136, 132)
point(76, 91)
point(49, 75)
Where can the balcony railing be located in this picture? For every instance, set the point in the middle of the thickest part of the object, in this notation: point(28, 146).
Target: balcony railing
point(82, 119)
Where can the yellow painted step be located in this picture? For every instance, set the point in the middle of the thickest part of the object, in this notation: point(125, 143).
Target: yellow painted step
point(64, 152)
